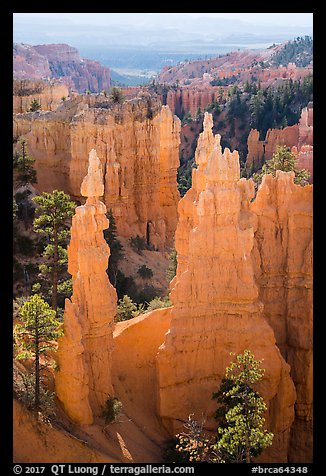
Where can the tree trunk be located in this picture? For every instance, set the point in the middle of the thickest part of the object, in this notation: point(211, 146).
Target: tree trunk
point(37, 366)
point(248, 459)
point(55, 272)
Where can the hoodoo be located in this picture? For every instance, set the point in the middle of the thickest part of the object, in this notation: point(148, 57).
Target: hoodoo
point(282, 258)
point(83, 382)
point(216, 309)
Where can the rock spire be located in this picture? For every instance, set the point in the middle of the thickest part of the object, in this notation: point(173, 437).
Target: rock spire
point(216, 309)
point(83, 382)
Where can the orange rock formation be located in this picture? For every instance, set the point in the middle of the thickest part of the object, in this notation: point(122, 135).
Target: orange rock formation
point(283, 270)
point(83, 383)
point(299, 137)
point(232, 291)
point(48, 94)
point(138, 145)
point(185, 99)
point(216, 309)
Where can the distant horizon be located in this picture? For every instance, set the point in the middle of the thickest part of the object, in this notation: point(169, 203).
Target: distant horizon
point(148, 41)
point(289, 19)
point(144, 28)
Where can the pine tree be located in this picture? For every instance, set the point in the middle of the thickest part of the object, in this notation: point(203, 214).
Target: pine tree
point(256, 107)
point(282, 159)
point(195, 446)
point(173, 263)
point(23, 165)
point(35, 334)
point(35, 106)
point(126, 309)
point(241, 433)
point(116, 95)
point(116, 249)
point(52, 220)
point(14, 209)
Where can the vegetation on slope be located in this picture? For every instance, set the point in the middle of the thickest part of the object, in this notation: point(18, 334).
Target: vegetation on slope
point(282, 159)
point(298, 51)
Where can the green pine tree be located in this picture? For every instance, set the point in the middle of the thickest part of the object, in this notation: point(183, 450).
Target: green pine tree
point(35, 106)
point(52, 220)
point(35, 334)
point(198, 114)
point(116, 95)
point(116, 249)
point(126, 309)
point(173, 263)
point(282, 159)
point(241, 433)
point(23, 166)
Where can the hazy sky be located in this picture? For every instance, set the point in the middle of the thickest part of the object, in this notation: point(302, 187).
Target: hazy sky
point(148, 40)
point(291, 19)
point(302, 19)
point(92, 33)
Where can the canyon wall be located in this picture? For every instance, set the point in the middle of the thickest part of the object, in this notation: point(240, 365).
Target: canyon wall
point(216, 307)
point(48, 94)
point(259, 151)
point(299, 136)
point(282, 258)
point(83, 382)
point(136, 343)
point(185, 100)
point(59, 61)
point(138, 145)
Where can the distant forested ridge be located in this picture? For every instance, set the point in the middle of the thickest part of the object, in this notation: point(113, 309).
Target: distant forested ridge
point(298, 51)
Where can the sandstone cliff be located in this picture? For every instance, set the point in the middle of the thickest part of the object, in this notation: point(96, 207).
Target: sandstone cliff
point(83, 382)
point(299, 136)
point(59, 61)
point(186, 99)
point(49, 94)
point(282, 257)
point(138, 145)
point(28, 63)
point(216, 309)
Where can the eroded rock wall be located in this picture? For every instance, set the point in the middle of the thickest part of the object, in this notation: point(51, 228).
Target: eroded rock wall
point(216, 307)
point(282, 258)
point(138, 145)
point(259, 151)
point(48, 94)
point(298, 137)
point(185, 100)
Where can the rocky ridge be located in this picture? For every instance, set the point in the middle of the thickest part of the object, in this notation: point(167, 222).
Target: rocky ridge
point(59, 61)
point(49, 94)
